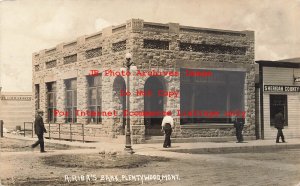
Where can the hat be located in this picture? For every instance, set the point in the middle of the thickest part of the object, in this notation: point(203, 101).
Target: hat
point(40, 111)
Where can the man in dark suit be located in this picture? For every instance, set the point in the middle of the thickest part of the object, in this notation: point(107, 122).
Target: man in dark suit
point(238, 124)
point(39, 129)
point(279, 122)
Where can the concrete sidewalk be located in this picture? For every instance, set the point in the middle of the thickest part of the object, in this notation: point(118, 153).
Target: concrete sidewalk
point(200, 147)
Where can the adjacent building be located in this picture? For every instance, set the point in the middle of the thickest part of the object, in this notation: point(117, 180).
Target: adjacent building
point(201, 76)
point(15, 109)
point(279, 91)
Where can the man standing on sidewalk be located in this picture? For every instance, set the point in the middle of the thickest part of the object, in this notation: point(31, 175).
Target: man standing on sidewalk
point(39, 129)
point(167, 125)
point(279, 122)
point(238, 124)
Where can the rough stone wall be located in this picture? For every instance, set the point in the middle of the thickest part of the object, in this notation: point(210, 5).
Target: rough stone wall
point(134, 32)
point(167, 59)
point(60, 98)
point(208, 132)
point(82, 94)
point(79, 70)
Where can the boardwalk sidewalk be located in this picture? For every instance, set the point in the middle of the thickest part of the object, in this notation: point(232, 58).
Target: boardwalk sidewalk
point(200, 147)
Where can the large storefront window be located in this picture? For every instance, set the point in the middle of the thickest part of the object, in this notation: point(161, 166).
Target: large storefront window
point(94, 98)
point(278, 103)
point(211, 96)
point(71, 100)
point(51, 101)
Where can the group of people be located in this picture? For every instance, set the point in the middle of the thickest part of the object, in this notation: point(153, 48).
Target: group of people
point(278, 124)
point(238, 123)
point(167, 128)
point(168, 125)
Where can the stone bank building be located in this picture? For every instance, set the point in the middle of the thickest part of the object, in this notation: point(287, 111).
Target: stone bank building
point(62, 80)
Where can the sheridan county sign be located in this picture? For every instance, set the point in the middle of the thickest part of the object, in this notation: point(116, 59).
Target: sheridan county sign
point(281, 88)
point(16, 98)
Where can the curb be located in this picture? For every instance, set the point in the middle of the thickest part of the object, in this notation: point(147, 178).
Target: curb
point(239, 149)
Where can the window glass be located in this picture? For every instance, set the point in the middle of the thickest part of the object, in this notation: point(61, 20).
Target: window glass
point(94, 98)
point(71, 100)
point(51, 101)
point(212, 91)
point(278, 103)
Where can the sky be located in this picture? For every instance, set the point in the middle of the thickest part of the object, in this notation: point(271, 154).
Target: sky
point(28, 26)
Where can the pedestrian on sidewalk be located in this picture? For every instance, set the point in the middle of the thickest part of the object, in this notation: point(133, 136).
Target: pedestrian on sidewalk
point(167, 125)
point(279, 124)
point(39, 129)
point(238, 124)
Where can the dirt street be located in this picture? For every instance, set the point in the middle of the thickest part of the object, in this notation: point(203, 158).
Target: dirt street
point(89, 167)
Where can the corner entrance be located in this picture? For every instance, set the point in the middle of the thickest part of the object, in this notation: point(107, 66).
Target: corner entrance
point(119, 102)
point(153, 103)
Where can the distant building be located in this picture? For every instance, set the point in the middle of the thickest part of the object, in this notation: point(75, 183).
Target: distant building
point(279, 91)
point(216, 79)
point(15, 108)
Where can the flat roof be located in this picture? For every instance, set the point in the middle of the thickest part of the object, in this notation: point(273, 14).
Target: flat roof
point(112, 29)
point(288, 63)
point(291, 60)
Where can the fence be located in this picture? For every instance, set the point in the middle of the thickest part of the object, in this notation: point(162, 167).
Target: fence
point(65, 131)
point(25, 128)
point(1, 128)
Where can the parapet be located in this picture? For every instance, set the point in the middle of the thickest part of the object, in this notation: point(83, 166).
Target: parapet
point(139, 25)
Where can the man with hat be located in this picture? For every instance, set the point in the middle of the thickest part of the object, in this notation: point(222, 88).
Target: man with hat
point(279, 124)
point(238, 124)
point(39, 129)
